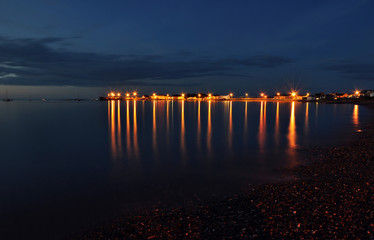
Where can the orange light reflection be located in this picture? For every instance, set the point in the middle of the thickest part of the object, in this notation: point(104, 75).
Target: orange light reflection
point(245, 123)
point(230, 127)
point(198, 125)
point(183, 146)
point(113, 129)
point(306, 118)
point(119, 138)
point(277, 125)
point(355, 115)
point(154, 130)
point(262, 127)
point(209, 131)
point(167, 123)
point(292, 137)
point(135, 132)
point(128, 137)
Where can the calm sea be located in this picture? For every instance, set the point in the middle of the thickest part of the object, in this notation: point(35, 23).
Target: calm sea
point(67, 165)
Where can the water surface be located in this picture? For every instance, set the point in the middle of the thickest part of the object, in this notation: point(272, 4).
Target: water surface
point(66, 165)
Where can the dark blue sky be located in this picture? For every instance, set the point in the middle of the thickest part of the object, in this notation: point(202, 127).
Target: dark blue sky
point(53, 48)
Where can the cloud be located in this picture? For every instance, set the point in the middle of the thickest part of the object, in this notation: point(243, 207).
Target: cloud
point(7, 65)
point(7, 75)
point(37, 62)
point(358, 71)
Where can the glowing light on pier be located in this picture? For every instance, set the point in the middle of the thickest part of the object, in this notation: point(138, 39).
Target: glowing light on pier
point(199, 95)
point(231, 94)
point(135, 93)
point(182, 95)
point(246, 95)
point(278, 94)
point(293, 94)
point(262, 94)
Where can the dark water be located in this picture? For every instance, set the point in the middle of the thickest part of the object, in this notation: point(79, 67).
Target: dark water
point(66, 165)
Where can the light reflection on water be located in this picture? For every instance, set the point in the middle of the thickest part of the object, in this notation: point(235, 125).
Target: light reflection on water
point(183, 144)
point(262, 127)
point(306, 118)
point(167, 130)
point(158, 151)
point(277, 127)
point(292, 138)
point(209, 130)
point(355, 115)
point(154, 131)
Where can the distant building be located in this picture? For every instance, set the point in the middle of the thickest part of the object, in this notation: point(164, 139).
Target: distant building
point(309, 98)
point(367, 93)
point(320, 96)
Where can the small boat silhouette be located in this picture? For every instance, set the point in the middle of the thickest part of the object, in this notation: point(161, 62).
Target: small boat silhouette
point(7, 99)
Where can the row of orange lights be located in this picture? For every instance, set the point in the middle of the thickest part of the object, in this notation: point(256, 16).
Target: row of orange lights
point(294, 94)
point(183, 95)
point(112, 94)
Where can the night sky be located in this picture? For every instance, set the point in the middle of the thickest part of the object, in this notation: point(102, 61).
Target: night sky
point(53, 48)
